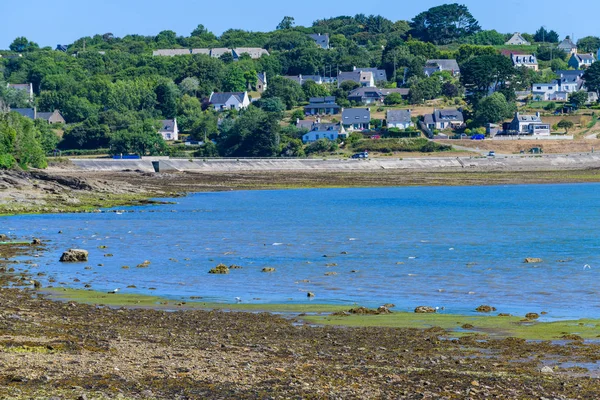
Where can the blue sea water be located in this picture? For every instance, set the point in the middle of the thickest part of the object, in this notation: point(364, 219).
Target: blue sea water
point(450, 247)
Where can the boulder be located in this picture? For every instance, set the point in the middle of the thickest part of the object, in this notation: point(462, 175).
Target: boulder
point(532, 260)
point(219, 269)
point(36, 242)
point(547, 370)
point(425, 310)
point(310, 294)
point(532, 315)
point(235, 267)
point(485, 309)
point(145, 264)
point(383, 310)
point(3, 238)
point(268, 269)
point(74, 255)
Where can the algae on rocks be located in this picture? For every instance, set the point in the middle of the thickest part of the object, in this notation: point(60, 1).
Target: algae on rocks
point(219, 269)
point(74, 255)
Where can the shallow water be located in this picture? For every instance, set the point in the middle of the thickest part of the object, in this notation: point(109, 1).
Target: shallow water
point(451, 247)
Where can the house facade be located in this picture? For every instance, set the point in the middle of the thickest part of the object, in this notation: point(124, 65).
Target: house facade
point(569, 81)
point(581, 61)
point(517, 40)
point(329, 131)
point(168, 129)
point(568, 46)
point(322, 40)
point(529, 125)
point(444, 119)
point(322, 106)
point(356, 119)
point(365, 79)
point(25, 87)
point(261, 82)
point(379, 75)
point(229, 101)
point(433, 66)
point(400, 119)
point(525, 60)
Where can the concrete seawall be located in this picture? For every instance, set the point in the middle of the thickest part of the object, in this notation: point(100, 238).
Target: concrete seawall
point(516, 163)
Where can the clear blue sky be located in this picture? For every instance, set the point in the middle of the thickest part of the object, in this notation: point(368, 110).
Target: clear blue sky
point(64, 21)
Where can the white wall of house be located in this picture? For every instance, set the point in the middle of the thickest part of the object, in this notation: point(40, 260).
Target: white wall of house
point(400, 125)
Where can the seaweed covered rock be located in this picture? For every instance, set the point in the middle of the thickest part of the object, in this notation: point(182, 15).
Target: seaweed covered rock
point(532, 315)
point(3, 238)
point(533, 260)
point(485, 309)
point(268, 269)
point(425, 310)
point(219, 269)
point(145, 264)
point(74, 255)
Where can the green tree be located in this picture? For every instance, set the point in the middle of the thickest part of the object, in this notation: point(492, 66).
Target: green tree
point(167, 95)
point(444, 24)
point(141, 138)
point(189, 85)
point(487, 38)
point(290, 92)
point(565, 124)
point(544, 36)
point(493, 109)
point(256, 133)
point(578, 99)
point(392, 99)
point(425, 89)
point(234, 80)
point(19, 142)
point(286, 23)
point(480, 74)
point(588, 44)
point(592, 77)
point(312, 89)
point(89, 134)
point(22, 44)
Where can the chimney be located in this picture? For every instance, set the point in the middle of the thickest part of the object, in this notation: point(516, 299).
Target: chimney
point(537, 114)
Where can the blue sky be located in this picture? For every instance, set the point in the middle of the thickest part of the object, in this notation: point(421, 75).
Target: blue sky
point(64, 21)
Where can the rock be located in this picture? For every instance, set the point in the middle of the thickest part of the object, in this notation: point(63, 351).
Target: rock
point(362, 311)
point(467, 326)
point(532, 260)
point(532, 315)
point(219, 269)
point(425, 310)
point(37, 284)
point(235, 267)
point(3, 238)
point(330, 273)
point(74, 255)
point(547, 370)
point(36, 242)
point(310, 294)
point(108, 255)
point(145, 264)
point(389, 305)
point(504, 315)
point(485, 309)
point(383, 310)
point(268, 269)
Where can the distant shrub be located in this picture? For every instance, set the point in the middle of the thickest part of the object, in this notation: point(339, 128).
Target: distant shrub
point(399, 145)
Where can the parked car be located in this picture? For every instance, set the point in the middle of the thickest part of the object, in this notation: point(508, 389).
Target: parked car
point(362, 154)
point(492, 153)
point(478, 137)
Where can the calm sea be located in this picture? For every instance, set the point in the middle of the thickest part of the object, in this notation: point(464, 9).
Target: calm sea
point(451, 247)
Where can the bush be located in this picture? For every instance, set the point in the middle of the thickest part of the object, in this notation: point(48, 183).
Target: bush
point(550, 106)
point(7, 161)
point(321, 146)
point(399, 145)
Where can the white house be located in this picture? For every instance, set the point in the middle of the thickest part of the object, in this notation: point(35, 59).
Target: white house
point(444, 119)
point(399, 119)
point(168, 129)
point(525, 60)
point(26, 87)
point(356, 119)
point(581, 61)
point(517, 40)
point(329, 131)
point(529, 125)
point(363, 78)
point(548, 92)
point(229, 101)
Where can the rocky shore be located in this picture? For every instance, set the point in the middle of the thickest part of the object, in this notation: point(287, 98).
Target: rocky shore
point(65, 350)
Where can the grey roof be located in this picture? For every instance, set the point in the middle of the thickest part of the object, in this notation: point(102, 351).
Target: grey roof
point(218, 52)
point(321, 105)
point(171, 52)
point(571, 73)
point(222, 97)
point(320, 100)
point(378, 74)
point(167, 125)
point(518, 39)
point(261, 76)
point(26, 112)
point(253, 52)
point(567, 45)
point(351, 115)
point(201, 51)
point(295, 78)
point(402, 91)
point(363, 91)
point(321, 39)
point(451, 114)
point(394, 116)
point(44, 115)
point(305, 124)
point(528, 118)
point(587, 57)
point(444, 65)
point(20, 86)
point(356, 76)
point(321, 127)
